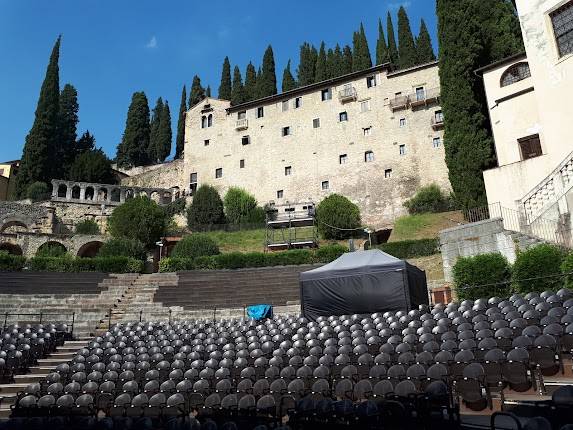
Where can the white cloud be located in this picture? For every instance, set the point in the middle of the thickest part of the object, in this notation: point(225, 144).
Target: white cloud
point(152, 44)
point(397, 4)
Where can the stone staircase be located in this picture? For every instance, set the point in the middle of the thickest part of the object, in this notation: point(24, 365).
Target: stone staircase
point(63, 354)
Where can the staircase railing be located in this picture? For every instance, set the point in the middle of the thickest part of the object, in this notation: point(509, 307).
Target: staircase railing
point(515, 221)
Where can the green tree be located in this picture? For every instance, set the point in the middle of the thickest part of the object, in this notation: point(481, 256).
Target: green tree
point(123, 247)
point(154, 127)
point(138, 218)
point(361, 59)
point(320, 71)
point(195, 245)
point(307, 65)
point(392, 46)
point(465, 29)
point(208, 91)
point(67, 131)
point(87, 226)
point(424, 49)
point(85, 143)
point(336, 216)
point(92, 166)
point(206, 210)
point(197, 92)
point(37, 191)
point(538, 269)
point(163, 148)
point(180, 139)
point(347, 60)
point(481, 276)
point(288, 79)
point(239, 206)
point(250, 83)
point(408, 56)
point(259, 81)
point(36, 160)
point(330, 63)
point(268, 84)
point(133, 149)
point(238, 94)
point(382, 54)
point(225, 88)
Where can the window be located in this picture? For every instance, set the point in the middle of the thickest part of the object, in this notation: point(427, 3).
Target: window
point(245, 140)
point(365, 106)
point(285, 105)
point(562, 20)
point(388, 173)
point(219, 173)
point(402, 149)
point(371, 81)
point(368, 156)
point(206, 142)
point(242, 114)
point(260, 112)
point(316, 123)
point(297, 102)
point(343, 159)
point(1, 172)
point(530, 147)
point(210, 120)
point(402, 122)
point(420, 94)
point(203, 121)
point(343, 116)
point(436, 142)
point(241, 164)
point(439, 116)
point(280, 194)
point(325, 185)
point(367, 131)
point(288, 170)
point(517, 72)
point(286, 131)
point(326, 94)
point(192, 183)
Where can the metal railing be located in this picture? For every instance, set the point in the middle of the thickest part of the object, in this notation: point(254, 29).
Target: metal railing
point(242, 124)
point(40, 318)
point(348, 93)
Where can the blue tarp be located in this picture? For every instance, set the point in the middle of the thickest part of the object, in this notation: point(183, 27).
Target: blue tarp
point(260, 311)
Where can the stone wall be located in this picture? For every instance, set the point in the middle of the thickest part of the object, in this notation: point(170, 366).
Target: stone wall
point(29, 243)
point(167, 175)
point(26, 216)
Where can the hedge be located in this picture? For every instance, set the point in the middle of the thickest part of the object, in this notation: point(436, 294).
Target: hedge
point(538, 269)
point(98, 264)
point(567, 270)
point(484, 275)
point(411, 248)
point(195, 245)
point(11, 263)
point(237, 260)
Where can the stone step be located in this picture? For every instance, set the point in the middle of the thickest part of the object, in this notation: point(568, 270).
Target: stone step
point(53, 362)
point(43, 370)
point(28, 378)
point(11, 389)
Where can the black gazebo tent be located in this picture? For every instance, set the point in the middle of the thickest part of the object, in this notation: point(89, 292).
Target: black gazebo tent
point(362, 282)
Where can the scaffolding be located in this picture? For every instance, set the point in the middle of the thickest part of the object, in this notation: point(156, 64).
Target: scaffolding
point(291, 226)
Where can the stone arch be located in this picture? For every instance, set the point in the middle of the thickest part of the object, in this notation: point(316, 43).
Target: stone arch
point(203, 121)
point(11, 248)
point(13, 226)
point(129, 194)
point(62, 191)
point(115, 195)
point(52, 244)
point(90, 249)
point(90, 193)
point(76, 192)
point(210, 120)
point(156, 197)
point(102, 194)
point(515, 73)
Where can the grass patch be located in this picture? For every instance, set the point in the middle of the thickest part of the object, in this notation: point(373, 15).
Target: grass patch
point(424, 226)
point(239, 241)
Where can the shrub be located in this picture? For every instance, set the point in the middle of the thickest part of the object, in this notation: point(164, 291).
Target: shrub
point(206, 209)
point(334, 213)
point(535, 269)
point(411, 248)
point(329, 253)
point(241, 207)
point(175, 207)
point(484, 275)
point(567, 270)
point(428, 199)
point(51, 250)
point(98, 264)
point(195, 245)
point(138, 218)
point(88, 226)
point(11, 263)
point(123, 247)
point(38, 191)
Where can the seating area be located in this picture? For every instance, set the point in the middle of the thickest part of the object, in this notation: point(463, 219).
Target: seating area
point(424, 368)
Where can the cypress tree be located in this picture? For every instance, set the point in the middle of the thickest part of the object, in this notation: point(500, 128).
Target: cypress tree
point(250, 83)
point(346, 60)
point(67, 132)
point(85, 143)
point(465, 29)
point(337, 65)
point(361, 59)
point(356, 52)
point(382, 55)
point(225, 87)
point(238, 92)
point(165, 137)
point(208, 91)
point(392, 46)
point(132, 151)
point(197, 92)
point(306, 65)
point(330, 63)
point(288, 79)
point(41, 140)
point(259, 81)
point(155, 127)
point(424, 50)
point(268, 85)
point(408, 56)
point(321, 72)
point(180, 139)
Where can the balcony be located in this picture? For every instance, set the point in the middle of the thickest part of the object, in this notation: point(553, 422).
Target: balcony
point(242, 124)
point(399, 102)
point(437, 123)
point(424, 97)
point(347, 95)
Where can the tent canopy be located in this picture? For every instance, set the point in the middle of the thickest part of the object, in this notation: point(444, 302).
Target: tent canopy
point(362, 282)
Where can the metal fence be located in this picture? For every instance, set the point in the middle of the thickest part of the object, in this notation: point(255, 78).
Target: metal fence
point(40, 318)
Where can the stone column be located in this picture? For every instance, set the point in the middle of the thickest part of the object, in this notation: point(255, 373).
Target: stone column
point(69, 191)
point(121, 195)
point(82, 192)
point(55, 186)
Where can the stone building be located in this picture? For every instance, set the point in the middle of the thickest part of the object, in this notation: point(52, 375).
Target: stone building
point(375, 136)
point(8, 170)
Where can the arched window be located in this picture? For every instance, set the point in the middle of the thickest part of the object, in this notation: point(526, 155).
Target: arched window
point(517, 72)
point(203, 121)
point(210, 120)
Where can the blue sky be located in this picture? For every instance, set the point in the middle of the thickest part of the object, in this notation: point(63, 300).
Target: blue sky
point(111, 48)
